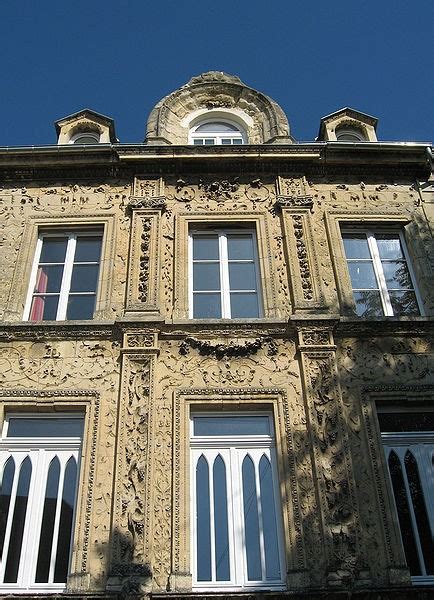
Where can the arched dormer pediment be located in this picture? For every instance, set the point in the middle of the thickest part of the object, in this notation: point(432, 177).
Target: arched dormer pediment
point(216, 96)
point(85, 125)
point(348, 124)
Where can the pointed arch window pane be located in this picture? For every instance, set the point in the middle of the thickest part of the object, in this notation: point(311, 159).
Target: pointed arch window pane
point(18, 522)
point(271, 545)
point(203, 548)
point(5, 498)
point(66, 520)
point(251, 521)
point(221, 520)
point(419, 507)
point(404, 517)
point(47, 525)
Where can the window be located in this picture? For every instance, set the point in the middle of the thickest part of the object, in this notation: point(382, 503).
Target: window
point(39, 465)
point(64, 277)
point(408, 441)
point(224, 280)
point(85, 138)
point(237, 528)
point(380, 273)
point(216, 133)
point(350, 134)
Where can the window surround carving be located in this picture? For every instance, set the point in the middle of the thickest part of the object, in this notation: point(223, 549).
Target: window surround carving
point(190, 221)
point(189, 401)
point(86, 403)
point(336, 221)
point(25, 259)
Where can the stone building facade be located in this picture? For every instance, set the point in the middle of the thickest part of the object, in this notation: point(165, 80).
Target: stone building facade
point(225, 337)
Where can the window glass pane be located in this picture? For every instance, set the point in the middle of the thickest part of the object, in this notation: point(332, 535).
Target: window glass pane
point(206, 276)
point(86, 139)
point(242, 276)
point(397, 275)
point(422, 521)
point(49, 279)
point(88, 248)
point(198, 142)
point(5, 498)
point(206, 247)
point(356, 245)
point(18, 522)
point(404, 303)
point(44, 308)
point(368, 304)
point(47, 526)
point(233, 425)
point(207, 306)
point(240, 247)
point(221, 521)
point(44, 427)
point(217, 127)
point(65, 524)
point(53, 250)
point(362, 275)
point(389, 246)
point(271, 546)
point(209, 141)
point(226, 142)
point(402, 507)
point(80, 307)
point(406, 421)
point(237, 141)
point(251, 521)
point(244, 305)
point(203, 539)
point(84, 278)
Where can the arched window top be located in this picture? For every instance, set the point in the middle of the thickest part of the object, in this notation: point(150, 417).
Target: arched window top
point(85, 137)
point(217, 133)
point(350, 134)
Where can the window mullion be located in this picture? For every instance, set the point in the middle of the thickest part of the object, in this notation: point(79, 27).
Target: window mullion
point(238, 517)
point(224, 276)
point(66, 278)
point(379, 274)
point(35, 508)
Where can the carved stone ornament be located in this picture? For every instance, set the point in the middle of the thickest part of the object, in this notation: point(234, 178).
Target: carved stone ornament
point(294, 202)
point(140, 340)
point(293, 186)
point(220, 351)
point(220, 190)
point(147, 203)
point(184, 192)
point(147, 188)
point(306, 279)
point(257, 191)
point(315, 337)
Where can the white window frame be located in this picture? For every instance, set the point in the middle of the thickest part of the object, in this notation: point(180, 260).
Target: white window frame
point(217, 136)
point(421, 445)
point(225, 289)
point(231, 447)
point(41, 452)
point(67, 270)
point(371, 235)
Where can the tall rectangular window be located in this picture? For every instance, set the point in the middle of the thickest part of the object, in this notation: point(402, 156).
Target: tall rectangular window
point(380, 273)
point(224, 275)
point(64, 277)
point(39, 464)
point(237, 539)
point(408, 442)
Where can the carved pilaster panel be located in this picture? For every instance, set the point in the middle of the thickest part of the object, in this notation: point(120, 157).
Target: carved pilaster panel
point(143, 271)
point(145, 187)
point(344, 562)
point(131, 556)
point(301, 257)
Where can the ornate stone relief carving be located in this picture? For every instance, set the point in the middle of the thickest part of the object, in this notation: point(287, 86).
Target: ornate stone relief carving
point(294, 202)
point(294, 186)
point(220, 190)
point(303, 261)
point(147, 203)
point(132, 501)
point(143, 284)
point(232, 349)
point(148, 188)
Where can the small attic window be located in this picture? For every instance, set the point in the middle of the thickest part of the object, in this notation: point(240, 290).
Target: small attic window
point(350, 134)
point(85, 138)
point(216, 133)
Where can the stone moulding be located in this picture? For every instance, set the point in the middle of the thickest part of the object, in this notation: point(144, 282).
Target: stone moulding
point(231, 350)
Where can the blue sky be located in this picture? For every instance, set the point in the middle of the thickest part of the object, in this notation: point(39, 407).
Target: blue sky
point(119, 57)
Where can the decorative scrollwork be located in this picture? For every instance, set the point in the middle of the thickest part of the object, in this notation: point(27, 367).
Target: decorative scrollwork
point(230, 350)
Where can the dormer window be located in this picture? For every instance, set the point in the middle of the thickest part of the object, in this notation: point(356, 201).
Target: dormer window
point(85, 138)
point(350, 134)
point(216, 133)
